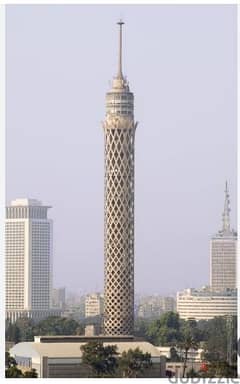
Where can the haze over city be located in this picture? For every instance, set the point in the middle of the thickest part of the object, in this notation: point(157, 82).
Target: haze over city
point(181, 65)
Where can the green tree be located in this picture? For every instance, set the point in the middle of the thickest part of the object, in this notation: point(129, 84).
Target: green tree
point(31, 374)
point(215, 347)
point(166, 330)
point(134, 362)
point(56, 326)
point(11, 369)
point(12, 333)
point(9, 360)
point(188, 342)
point(141, 328)
point(101, 360)
point(174, 356)
point(25, 326)
point(13, 372)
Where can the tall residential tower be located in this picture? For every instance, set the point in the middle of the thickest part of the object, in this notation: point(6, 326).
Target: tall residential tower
point(224, 253)
point(119, 131)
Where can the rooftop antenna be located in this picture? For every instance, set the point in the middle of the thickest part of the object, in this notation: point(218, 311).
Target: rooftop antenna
point(120, 75)
point(226, 212)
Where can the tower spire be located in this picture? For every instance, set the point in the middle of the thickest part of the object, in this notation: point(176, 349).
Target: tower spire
point(226, 211)
point(120, 75)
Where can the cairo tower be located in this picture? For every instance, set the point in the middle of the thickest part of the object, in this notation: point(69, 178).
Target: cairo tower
point(119, 132)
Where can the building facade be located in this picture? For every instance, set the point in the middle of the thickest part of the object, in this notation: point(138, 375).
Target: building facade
point(204, 304)
point(223, 265)
point(61, 356)
point(151, 307)
point(119, 132)
point(28, 240)
point(94, 305)
point(59, 298)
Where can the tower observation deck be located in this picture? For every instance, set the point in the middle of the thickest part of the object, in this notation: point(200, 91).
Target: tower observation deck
point(119, 132)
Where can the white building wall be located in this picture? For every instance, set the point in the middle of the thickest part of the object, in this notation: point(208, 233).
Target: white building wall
point(223, 263)
point(28, 264)
point(200, 306)
point(15, 264)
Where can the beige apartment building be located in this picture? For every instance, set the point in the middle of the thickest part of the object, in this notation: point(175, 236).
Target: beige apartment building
point(94, 305)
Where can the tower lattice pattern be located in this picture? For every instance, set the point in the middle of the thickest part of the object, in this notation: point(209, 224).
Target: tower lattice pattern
point(119, 133)
point(119, 228)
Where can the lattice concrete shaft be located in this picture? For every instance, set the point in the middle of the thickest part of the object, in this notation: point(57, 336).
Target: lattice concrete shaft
point(119, 132)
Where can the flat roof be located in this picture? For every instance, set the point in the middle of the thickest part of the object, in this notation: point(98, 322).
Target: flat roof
point(82, 338)
point(70, 349)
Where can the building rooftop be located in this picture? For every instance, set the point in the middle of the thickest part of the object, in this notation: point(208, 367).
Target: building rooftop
point(207, 292)
point(72, 349)
point(25, 202)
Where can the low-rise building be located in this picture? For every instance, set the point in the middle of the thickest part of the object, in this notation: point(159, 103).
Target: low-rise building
point(204, 304)
point(61, 356)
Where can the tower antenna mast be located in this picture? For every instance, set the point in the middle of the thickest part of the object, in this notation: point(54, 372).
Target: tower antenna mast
point(120, 75)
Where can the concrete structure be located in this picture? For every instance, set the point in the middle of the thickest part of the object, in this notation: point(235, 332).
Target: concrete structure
point(224, 253)
point(119, 132)
point(204, 304)
point(59, 298)
point(94, 305)
point(28, 236)
point(61, 356)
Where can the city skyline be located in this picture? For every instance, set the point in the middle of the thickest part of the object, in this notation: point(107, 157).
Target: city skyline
point(77, 206)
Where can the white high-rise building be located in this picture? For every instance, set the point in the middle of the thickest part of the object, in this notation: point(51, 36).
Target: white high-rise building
point(220, 299)
point(28, 238)
point(223, 264)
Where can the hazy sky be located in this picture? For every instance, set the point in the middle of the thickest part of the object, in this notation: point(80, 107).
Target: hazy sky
point(181, 63)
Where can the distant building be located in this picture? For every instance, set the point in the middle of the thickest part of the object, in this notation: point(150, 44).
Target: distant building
point(74, 300)
point(61, 356)
point(94, 305)
point(168, 304)
point(220, 299)
point(224, 253)
point(28, 237)
point(150, 307)
point(204, 304)
point(59, 298)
